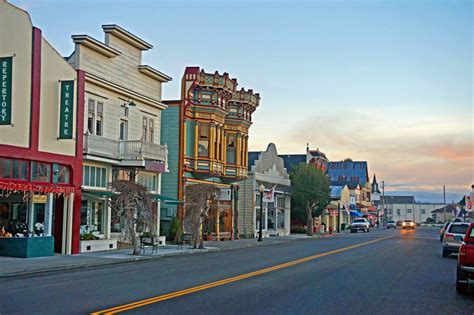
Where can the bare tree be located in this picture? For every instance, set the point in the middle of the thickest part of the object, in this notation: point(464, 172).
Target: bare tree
point(197, 205)
point(132, 201)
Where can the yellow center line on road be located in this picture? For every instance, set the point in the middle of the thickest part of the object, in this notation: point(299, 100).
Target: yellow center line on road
point(156, 299)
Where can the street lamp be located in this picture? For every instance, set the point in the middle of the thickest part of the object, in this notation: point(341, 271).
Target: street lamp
point(338, 217)
point(260, 228)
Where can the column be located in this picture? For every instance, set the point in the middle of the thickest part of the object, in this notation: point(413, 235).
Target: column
point(224, 147)
point(217, 222)
point(31, 216)
point(48, 215)
point(196, 136)
point(212, 135)
point(108, 220)
point(238, 141)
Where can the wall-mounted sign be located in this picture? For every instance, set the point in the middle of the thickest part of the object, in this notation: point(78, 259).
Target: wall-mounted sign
point(66, 120)
point(224, 194)
point(39, 198)
point(6, 90)
point(155, 166)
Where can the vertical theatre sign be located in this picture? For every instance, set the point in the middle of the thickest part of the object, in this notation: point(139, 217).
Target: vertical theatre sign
point(66, 110)
point(6, 91)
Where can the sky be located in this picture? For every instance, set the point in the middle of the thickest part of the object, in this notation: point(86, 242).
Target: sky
point(388, 82)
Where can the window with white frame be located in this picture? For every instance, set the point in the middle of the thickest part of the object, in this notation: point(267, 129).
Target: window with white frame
point(123, 129)
point(93, 176)
point(148, 181)
point(280, 201)
point(95, 117)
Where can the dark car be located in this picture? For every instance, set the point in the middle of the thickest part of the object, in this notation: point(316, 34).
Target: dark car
point(465, 268)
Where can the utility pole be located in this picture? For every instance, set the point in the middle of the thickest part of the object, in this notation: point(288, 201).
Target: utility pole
point(444, 202)
point(383, 203)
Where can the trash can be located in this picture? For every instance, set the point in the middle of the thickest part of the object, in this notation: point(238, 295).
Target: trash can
point(343, 226)
point(330, 229)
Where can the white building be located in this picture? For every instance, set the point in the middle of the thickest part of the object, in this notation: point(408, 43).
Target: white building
point(401, 208)
point(122, 127)
point(267, 169)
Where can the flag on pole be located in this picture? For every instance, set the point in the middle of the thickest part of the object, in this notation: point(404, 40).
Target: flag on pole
point(269, 196)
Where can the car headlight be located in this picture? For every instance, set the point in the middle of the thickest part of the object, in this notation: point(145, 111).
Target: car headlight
point(404, 224)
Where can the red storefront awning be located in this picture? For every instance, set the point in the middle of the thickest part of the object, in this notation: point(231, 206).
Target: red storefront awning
point(35, 188)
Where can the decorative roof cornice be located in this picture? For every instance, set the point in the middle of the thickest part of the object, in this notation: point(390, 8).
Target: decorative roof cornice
point(127, 36)
point(246, 97)
point(153, 73)
point(95, 45)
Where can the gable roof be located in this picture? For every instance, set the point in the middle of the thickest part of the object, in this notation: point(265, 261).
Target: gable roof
point(398, 199)
point(350, 184)
point(291, 160)
point(348, 171)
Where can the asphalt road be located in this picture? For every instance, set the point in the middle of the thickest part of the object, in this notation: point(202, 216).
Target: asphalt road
point(400, 272)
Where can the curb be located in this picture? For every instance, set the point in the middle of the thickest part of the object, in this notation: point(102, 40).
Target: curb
point(150, 257)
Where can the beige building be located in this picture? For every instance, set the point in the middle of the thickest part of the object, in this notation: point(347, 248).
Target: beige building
point(41, 116)
point(265, 168)
point(122, 121)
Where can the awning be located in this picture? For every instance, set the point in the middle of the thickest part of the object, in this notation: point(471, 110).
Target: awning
point(167, 200)
point(355, 213)
point(97, 193)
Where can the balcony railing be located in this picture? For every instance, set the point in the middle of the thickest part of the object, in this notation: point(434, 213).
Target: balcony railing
point(124, 149)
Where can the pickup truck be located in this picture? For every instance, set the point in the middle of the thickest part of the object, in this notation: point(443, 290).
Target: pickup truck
point(465, 267)
point(360, 225)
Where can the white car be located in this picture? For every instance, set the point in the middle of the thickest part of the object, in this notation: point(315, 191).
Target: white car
point(391, 224)
point(360, 225)
point(453, 237)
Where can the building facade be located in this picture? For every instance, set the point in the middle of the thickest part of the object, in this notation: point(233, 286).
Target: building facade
point(122, 124)
point(265, 168)
point(212, 140)
point(401, 208)
point(41, 121)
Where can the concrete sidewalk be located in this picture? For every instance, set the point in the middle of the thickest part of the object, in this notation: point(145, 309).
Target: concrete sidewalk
point(24, 266)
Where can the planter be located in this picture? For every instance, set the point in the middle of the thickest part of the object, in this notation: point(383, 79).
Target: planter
point(97, 245)
point(27, 247)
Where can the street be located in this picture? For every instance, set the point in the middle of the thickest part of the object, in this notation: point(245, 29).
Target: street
point(383, 271)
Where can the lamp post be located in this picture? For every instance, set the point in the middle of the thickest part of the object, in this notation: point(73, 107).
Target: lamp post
point(338, 217)
point(260, 228)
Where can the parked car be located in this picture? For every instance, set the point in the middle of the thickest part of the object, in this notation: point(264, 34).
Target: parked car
point(443, 230)
point(408, 224)
point(451, 243)
point(360, 225)
point(391, 224)
point(465, 268)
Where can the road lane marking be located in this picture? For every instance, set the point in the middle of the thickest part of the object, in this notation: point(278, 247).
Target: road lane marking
point(156, 299)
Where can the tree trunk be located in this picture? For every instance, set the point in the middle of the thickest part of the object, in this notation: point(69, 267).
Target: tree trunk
point(135, 238)
point(309, 221)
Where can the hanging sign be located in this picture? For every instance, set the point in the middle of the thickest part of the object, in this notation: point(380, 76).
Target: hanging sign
point(6, 90)
point(66, 110)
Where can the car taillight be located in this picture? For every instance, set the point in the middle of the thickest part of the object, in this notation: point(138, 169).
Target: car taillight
point(462, 255)
point(447, 235)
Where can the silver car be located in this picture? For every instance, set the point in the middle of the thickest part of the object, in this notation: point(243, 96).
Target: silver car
point(453, 237)
point(391, 224)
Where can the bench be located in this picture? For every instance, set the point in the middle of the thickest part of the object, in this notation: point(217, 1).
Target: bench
point(148, 241)
point(185, 239)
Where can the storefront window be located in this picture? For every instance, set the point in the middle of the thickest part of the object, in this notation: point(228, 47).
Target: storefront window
point(13, 169)
point(281, 219)
point(40, 172)
point(13, 214)
point(93, 216)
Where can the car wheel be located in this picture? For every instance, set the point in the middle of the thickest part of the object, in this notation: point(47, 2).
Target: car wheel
point(461, 287)
point(445, 253)
point(368, 230)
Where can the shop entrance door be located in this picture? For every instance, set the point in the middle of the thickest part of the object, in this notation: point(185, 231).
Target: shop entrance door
point(58, 207)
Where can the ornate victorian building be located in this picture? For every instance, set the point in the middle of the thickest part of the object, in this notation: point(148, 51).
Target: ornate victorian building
point(207, 133)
